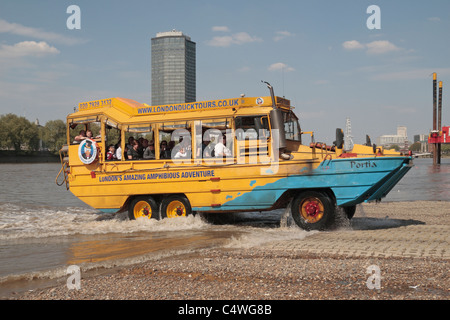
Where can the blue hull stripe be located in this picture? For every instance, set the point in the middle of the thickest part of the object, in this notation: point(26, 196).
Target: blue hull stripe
point(353, 180)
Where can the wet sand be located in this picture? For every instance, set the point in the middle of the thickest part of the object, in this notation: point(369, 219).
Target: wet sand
point(407, 241)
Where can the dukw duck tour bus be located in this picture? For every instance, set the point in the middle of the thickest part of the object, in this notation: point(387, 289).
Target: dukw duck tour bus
point(229, 155)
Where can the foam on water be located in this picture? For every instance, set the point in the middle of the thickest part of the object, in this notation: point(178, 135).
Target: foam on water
point(256, 237)
point(24, 221)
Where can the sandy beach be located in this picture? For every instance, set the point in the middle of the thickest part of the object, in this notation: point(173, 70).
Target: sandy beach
point(407, 241)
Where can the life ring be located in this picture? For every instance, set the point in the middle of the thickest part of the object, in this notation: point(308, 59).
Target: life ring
point(88, 151)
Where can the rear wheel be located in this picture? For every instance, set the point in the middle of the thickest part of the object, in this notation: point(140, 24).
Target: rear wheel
point(143, 207)
point(313, 210)
point(175, 206)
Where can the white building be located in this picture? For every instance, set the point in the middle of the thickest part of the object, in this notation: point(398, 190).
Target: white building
point(400, 139)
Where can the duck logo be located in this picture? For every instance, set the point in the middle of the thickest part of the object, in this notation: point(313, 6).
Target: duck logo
point(87, 151)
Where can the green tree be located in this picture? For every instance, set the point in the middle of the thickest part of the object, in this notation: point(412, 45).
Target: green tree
point(18, 133)
point(54, 135)
point(415, 146)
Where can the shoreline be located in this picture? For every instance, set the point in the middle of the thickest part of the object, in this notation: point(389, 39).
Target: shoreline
point(405, 240)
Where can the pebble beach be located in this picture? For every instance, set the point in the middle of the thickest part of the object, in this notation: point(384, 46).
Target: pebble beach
point(407, 241)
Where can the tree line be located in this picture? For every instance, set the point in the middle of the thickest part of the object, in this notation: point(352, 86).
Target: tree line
point(17, 133)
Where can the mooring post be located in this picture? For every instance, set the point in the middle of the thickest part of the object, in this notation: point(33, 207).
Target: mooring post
point(434, 116)
point(439, 122)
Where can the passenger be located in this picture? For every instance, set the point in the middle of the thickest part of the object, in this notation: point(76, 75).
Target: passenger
point(171, 145)
point(90, 135)
point(187, 146)
point(141, 141)
point(164, 150)
point(143, 144)
point(206, 148)
point(80, 137)
point(111, 155)
point(118, 150)
point(149, 152)
point(133, 152)
point(181, 154)
point(129, 145)
point(183, 144)
point(119, 153)
point(220, 149)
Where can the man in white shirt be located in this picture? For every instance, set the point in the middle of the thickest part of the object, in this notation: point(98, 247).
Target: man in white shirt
point(119, 153)
point(220, 149)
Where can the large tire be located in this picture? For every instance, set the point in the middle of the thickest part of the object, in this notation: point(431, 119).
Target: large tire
point(313, 210)
point(143, 207)
point(175, 206)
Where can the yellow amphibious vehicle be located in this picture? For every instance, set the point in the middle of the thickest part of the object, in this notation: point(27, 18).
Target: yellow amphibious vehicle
point(240, 154)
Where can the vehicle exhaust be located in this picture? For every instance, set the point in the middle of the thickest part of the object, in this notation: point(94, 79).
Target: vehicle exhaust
point(276, 119)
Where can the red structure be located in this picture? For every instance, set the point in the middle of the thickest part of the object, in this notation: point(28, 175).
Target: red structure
point(440, 136)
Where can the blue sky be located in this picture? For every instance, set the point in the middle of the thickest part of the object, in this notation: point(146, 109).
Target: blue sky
point(319, 54)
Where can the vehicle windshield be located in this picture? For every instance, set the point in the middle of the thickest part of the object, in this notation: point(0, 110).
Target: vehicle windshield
point(292, 127)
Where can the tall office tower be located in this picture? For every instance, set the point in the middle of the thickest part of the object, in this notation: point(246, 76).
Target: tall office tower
point(173, 68)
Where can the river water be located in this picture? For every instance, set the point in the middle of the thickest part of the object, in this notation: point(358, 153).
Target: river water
point(44, 228)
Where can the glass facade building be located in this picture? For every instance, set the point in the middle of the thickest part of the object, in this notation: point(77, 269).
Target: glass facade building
point(173, 68)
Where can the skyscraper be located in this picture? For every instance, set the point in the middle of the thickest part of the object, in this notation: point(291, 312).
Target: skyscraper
point(173, 68)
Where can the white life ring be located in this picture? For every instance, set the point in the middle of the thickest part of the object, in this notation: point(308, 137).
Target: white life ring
point(88, 151)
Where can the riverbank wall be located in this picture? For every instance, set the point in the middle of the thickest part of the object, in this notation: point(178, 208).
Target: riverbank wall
point(10, 156)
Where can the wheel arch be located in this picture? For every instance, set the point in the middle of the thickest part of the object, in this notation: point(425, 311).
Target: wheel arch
point(290, 194)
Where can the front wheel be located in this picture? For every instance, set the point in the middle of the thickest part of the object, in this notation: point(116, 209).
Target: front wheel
point(313, 210)
point(175, 206)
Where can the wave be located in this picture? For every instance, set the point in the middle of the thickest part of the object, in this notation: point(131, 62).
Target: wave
point(25, 221)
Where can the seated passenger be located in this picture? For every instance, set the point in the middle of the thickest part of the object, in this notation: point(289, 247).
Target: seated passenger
point(149, 152)
point(130, 142)
point(133, 152)
point(206, 149)
point(90, 135)
point(181, 154)
point(119, 153)
point(118, 150)
point(111, 155)
point(164, 150)
point(143, 145)
point(185, 145)
point(80, 137)
point(220, 149)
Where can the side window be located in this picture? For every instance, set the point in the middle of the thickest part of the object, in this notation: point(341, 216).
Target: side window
point(84, 128)
point(214, 138)
point(112, 141)
point(139, 142)
point(175, 140)
point(252, 134)
point(252, 128)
